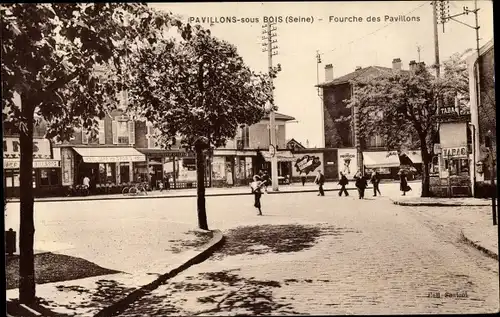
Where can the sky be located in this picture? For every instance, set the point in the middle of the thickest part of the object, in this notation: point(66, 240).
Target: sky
point(345, 43)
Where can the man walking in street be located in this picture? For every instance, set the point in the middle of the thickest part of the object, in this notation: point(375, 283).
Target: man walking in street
point(375, 180)
point(303, 177)
point(361, 184)
point(320, 180)
point(343, 183)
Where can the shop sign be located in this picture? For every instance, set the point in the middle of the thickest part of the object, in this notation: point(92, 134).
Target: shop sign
point(15, 164)
point(460, 151)
point(448, 111)
point(12, 149)
point(307, 164)
point(113, 159)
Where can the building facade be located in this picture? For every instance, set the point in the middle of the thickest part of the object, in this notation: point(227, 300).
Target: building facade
point(481, 70)
point(125, 151)
point(355, 153)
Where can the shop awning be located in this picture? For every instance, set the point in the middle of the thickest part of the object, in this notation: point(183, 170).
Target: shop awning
point(283, 156)
point(381, 159)
point(110, 154)
point(414, 156)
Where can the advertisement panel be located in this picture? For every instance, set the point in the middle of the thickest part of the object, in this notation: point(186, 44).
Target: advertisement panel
point(348, 162)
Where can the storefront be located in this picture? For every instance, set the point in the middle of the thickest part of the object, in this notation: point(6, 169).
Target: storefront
point(285, 164)
point(46, 168)
point(105, 166)
point(386, 163)
point(175, 168)
point(233, 167)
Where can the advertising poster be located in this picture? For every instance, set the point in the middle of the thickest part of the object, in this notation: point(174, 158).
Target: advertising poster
point(348, 162)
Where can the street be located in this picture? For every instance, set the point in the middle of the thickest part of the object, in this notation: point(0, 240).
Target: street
point(306, 255)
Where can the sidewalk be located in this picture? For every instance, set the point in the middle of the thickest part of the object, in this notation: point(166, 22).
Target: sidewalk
point(483, 238)
point(472, 215)
point(180, 193)
point(104, 294)
point(436, 202)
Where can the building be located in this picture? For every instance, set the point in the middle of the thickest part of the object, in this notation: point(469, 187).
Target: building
point(483, 114)
point(108, 158)
point(46, 163)
point(355, 153)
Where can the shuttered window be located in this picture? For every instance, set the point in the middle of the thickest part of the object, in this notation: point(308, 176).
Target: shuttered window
point(131, 132)
point(102, 135)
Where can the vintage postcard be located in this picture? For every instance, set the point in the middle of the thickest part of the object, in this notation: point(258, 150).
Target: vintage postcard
point(249, 158)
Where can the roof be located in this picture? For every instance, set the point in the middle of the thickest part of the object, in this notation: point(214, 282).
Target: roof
point(292, 140)
point(280, 116)
point(361, 73)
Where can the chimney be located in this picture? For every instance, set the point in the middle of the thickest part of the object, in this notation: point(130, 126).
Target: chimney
point(413, 66)
point(328, 72)
point(358, 68)
point(396, 64)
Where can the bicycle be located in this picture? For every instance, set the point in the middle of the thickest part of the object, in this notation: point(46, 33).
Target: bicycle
point(135, 189)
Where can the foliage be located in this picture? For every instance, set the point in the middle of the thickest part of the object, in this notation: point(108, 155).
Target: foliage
point(402, 107)
point(66, 59)
point(196, 88)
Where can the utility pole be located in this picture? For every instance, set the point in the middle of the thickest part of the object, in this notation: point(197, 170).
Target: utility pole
point(322, 111)
point(418, 51)
point(270, 29)
point(436, 40)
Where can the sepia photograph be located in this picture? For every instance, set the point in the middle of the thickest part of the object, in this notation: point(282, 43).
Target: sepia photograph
point(249, 158)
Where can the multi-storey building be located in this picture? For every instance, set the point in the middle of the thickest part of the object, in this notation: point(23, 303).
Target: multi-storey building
point(356, 153)
point(483, 114)
point(125, 151)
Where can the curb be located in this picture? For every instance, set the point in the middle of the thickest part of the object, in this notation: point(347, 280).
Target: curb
point(487, 252)
point(176, 196)
point(209, 248)
point(436, 204)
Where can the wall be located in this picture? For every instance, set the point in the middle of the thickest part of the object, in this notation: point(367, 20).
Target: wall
point(453, 134)
point(336, 134)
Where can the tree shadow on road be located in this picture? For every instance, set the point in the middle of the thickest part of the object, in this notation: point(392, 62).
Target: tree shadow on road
point(262, 239)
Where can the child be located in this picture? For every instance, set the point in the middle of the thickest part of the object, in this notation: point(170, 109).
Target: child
point(256, 186)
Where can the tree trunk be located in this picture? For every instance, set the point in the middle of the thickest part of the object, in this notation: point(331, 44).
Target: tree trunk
point(200, 186)
point(426, 160)
point(27, 226)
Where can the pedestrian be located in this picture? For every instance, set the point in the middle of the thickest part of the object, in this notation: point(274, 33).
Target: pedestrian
point(86, 185)
point(375, 180)
point(320, 180)
point(361, 185)
point(167, 182)
point(160, 185)
point(343, 183)
point(256, 187)
point(403, 182)
point(266, 180)
point(303, 177)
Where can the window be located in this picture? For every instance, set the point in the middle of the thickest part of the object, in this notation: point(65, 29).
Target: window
point(376, 141)
point(49, 177)
point(246, 136)
point(123, 131)
point(457, 166)
point(152, 142)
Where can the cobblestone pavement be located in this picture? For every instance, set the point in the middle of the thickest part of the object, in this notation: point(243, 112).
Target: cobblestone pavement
point(372, 257)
